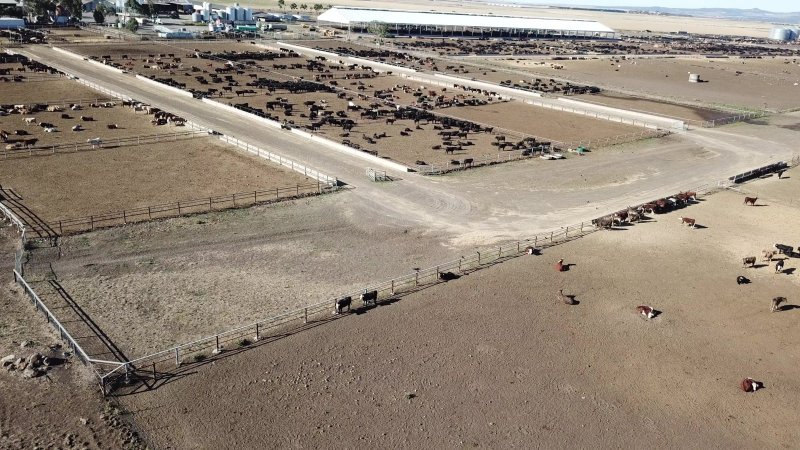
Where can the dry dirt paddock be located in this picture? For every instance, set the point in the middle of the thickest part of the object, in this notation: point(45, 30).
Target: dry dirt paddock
point(153, 285)
point(68, 185)
point(731, 82)
point(495, 360)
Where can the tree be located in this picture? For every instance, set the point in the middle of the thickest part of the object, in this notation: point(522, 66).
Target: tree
point(293, 6)
point(38, 8)
point(75, 7)
point(132, 25)
point(379, 29)
point(282, 4)
point(318, 7)
point(151, 8)
point(11, 11)
point(98, 15)
point(303, 6)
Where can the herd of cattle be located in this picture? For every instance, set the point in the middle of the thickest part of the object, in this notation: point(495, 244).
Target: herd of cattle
point(637, 213)
point(12, 74)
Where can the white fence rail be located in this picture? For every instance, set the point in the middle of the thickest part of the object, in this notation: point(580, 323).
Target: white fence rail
point(14, 219)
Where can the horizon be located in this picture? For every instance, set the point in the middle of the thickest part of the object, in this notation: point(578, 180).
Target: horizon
point(777, 6)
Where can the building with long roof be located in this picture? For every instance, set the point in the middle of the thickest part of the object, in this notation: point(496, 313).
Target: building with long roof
point(452, 24)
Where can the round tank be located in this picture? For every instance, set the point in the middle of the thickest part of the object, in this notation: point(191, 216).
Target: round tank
point(781, 34)
point(197, 17)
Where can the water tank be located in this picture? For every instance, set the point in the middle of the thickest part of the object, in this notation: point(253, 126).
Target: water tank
point(781, 34)
point(248, 14)
point(694, 77)
point(197, 17)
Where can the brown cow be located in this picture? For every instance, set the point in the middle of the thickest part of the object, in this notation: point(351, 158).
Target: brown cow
point(750, 201)
point(776, 303)
point(559, 266)
point(750, 385)
point(646, 311)
point(749, 260)
point(687, 221)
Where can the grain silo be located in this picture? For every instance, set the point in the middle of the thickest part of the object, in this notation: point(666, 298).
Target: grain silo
point(781, 34)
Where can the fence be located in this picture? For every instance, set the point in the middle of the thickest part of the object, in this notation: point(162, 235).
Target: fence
point(103, 143)
point(14, 219)
point(196, 206)
point(286, 162)
point(148, 367)
point(732, 119)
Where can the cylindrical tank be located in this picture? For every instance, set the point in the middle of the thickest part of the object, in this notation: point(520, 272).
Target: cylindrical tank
point(694, 77)
point(197, 17)
point(248, 14)
point(781, 34)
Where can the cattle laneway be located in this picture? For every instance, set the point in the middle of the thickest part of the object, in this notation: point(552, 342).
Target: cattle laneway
point(492, 204)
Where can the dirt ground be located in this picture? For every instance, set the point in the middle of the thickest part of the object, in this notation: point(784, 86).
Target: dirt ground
point(730, 82)
point(550, 124)
point(186, 278)
point(631, 103)
point(68, 185)
point(52, 89)
point(529, 368)
point(547, 123)
point(62, 409)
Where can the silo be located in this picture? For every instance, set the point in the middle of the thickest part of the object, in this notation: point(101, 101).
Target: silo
point(248, 14)
point(781, 34)
point(197, 17)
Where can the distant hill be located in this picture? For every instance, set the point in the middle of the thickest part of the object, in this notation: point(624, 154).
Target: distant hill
point(755, 14)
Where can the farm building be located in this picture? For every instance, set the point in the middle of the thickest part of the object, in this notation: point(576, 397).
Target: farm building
point(447, 24)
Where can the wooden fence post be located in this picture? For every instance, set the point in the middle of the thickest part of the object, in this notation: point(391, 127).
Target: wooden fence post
point(177, 357)
point(154, 371)
point(91, 221)
point(392, 287)
point(305, 315)
point(416, 278)
point(298, 190)
point(551, 237)
point(479, 258)
point(257, 335)
point(277, 195)
point(148, 214)
point(60, 230)
point(216, 347)
point(179, 208)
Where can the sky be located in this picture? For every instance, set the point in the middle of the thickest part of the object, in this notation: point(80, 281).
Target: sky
point(769, 5)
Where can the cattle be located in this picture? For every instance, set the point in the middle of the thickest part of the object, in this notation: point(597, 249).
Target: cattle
point(94, 141)
point(447, 276)
point(77, 128)
point(742, 280)
point(750, 385)
point(54, 108)
point(751, 260)
point(112, 126)
point(776, 304)
point(341, 303)
point(750, 201)
point(784, 249)
point(50, 130)
point(14, 146)
point(369, 298)
point(559, 265)
point(646, 311)
point(533, 250)
point(75, 107)
point(87, 118)
point(603, 222)
point(768, 255)
point(565, 299)
point(779, 267)
point(66, 116)
point(46, 125)
point(29, 120)
point(688, 221)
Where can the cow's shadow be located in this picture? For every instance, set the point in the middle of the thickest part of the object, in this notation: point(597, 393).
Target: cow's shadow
point(758, 266)
point(699, 227)
point(567, 267)
point(760, 204)
point(788, 271)
point(788, 307)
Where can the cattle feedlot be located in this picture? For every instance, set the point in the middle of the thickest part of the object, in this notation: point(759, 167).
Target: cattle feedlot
point(472, 237)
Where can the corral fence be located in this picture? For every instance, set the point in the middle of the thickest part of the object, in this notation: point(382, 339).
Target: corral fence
point(9, 215)
point(153, 367)
point(617, 139)
point(478, 161)
point(187, 207)
point(102, 143)
point(283, 161)
point(733, 119)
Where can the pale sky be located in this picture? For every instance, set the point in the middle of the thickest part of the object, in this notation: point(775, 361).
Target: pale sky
point(769, 5)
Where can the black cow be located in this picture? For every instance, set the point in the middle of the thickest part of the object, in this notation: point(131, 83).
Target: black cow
point(369, 298)
point(342, 303)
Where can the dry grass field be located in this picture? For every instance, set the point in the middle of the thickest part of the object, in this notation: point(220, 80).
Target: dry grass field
point(529, 368)
point(729, 83)
point(68, 185)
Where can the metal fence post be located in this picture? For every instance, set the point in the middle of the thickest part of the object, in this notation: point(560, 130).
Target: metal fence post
point(257, 334)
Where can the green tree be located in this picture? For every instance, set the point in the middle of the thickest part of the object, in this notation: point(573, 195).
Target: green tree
point(303, 6)
point(318, 7)
point(75, 7)
point(11, 11)
point(132, 25)
point(151, 8)
point(282, 4)
point(293, 6)
point(39, 7)
point(379, 29)
point(98, 15)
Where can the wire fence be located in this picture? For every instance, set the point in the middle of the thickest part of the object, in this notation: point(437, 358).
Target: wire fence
point(98, 143)
point(15, 220)
point(187, 207)
point(732, 119)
